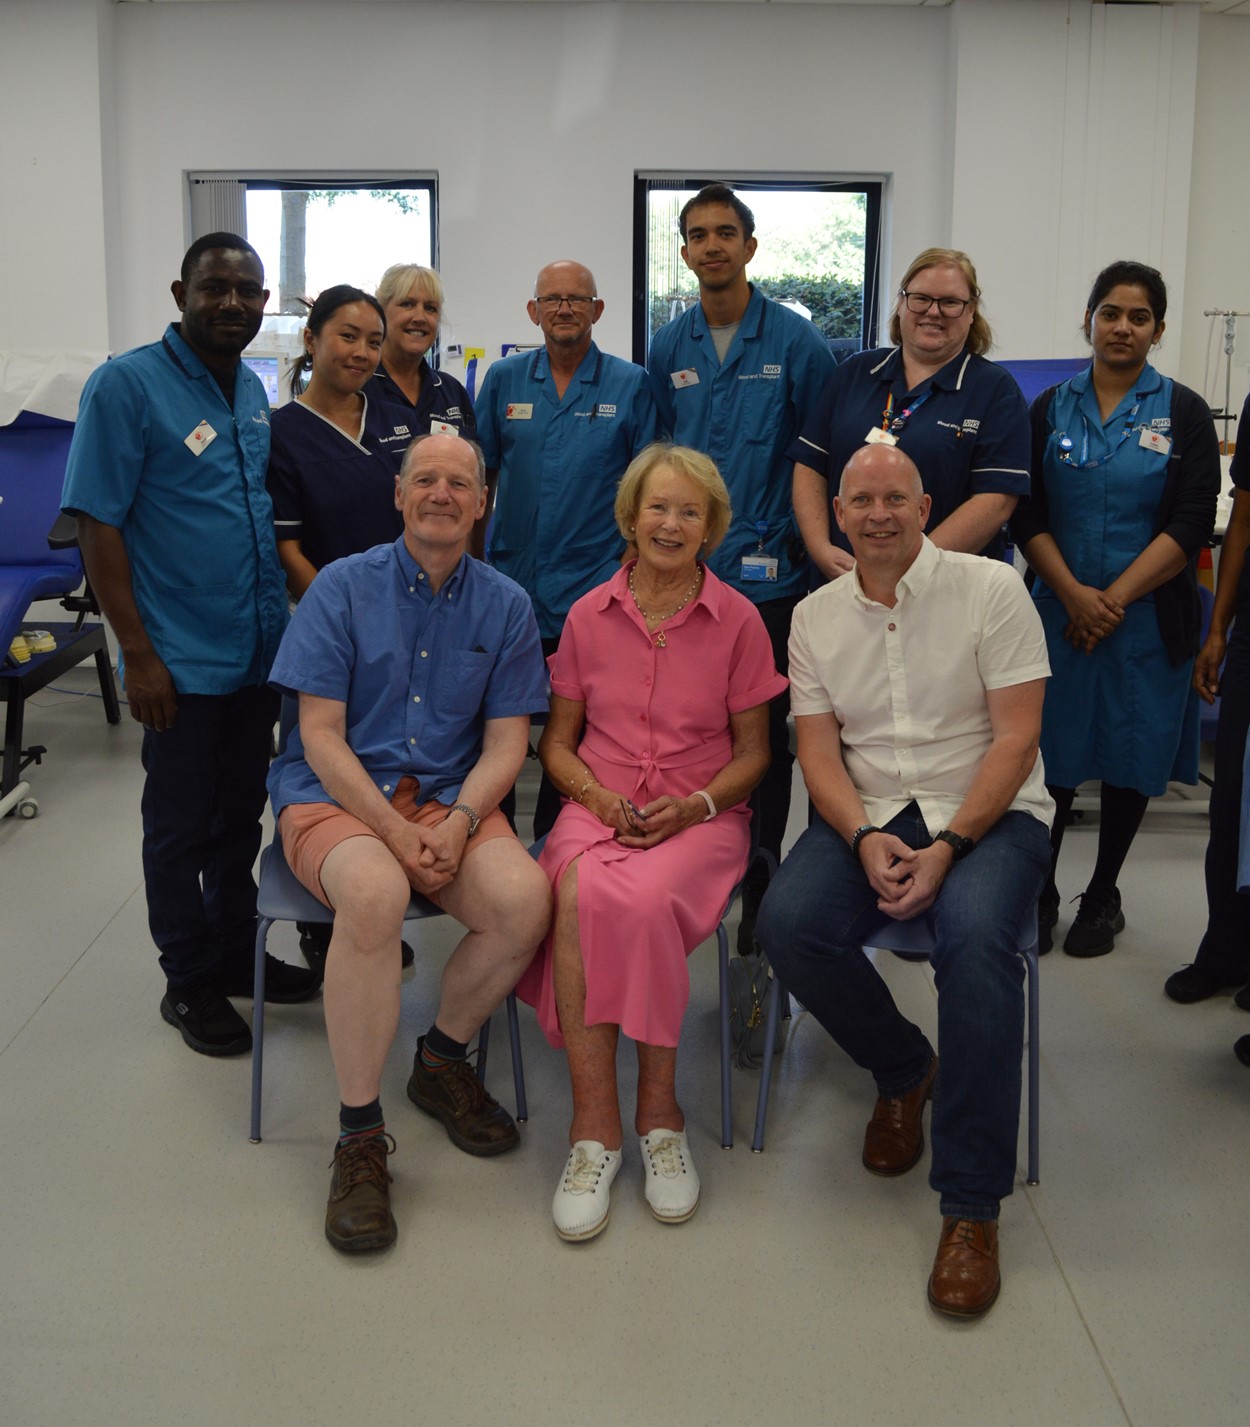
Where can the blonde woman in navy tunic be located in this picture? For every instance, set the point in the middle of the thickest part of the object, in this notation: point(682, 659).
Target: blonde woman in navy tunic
point(1125, 476)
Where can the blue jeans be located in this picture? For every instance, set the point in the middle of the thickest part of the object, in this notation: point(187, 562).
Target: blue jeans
point(816, 918)
point(202, 803)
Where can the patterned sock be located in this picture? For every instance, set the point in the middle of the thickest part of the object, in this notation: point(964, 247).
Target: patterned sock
point(438, 1049)
point(359, 1122)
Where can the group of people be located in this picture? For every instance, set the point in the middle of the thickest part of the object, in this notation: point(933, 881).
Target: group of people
point(650, 540)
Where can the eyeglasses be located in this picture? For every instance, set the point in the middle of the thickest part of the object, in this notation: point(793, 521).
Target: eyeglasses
point(920, 302)
point(552, 303)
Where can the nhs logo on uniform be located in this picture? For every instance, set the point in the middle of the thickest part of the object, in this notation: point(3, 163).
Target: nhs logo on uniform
point(773, 370)
point(604, 409)
point(400, 430)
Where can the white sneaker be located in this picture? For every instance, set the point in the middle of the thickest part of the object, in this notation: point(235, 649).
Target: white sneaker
point(580, 1207)
point(672, 1182)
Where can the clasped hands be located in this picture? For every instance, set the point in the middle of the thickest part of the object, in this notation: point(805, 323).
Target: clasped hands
point(1093, 614)
point(644, 826)
point(430, 856)
point(906, 880)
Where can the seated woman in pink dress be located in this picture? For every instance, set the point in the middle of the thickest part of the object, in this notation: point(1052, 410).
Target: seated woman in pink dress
point(658, 733)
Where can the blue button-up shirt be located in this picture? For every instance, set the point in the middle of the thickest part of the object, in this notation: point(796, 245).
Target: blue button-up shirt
point(160, 454)
point(420, 673)
point(744, 412)
point(560, 460)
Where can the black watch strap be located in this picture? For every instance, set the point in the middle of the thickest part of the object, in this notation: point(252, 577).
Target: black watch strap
point(860, 834)
point(960, 846)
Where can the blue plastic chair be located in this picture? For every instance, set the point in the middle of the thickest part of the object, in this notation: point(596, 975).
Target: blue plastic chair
point(913, 941)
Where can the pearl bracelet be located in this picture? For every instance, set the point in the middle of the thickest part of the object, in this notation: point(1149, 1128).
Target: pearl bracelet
point(707, 798)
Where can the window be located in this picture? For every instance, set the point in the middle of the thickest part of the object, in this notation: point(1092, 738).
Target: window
point(313, 231)
point(819, 250)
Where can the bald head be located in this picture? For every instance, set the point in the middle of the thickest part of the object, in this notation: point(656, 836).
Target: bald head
point(881, 460)
point(566, 306)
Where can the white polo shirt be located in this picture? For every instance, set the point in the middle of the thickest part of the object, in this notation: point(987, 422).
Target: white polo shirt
point(908, 684)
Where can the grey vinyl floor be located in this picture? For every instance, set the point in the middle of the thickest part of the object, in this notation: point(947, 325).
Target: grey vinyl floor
point(157, 1268)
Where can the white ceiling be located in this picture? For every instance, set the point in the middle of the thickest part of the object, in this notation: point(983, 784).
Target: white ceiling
point(1210, 7)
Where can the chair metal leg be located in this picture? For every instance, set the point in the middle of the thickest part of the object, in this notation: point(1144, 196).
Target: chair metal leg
point(258, 1022)
point(483, 1048)
point(1030, 961)
point(779, 997)
point(518, 1070)
point(726, 1096)
point(108, 689)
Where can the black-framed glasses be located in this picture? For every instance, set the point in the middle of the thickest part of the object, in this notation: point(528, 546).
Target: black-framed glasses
point(552, 303)
point(921, 302)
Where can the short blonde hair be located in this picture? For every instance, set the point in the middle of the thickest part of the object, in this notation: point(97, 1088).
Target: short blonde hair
point(699, 469)
point(980, 338)
point(401, 278)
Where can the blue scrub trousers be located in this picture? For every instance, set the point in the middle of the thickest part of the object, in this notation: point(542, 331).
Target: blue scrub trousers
point(815, 920)
point(202, 804)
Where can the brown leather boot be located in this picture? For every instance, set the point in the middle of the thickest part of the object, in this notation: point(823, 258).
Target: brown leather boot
point(358, 1212)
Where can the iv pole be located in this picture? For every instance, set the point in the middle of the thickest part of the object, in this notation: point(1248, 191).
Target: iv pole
point(1230, 341)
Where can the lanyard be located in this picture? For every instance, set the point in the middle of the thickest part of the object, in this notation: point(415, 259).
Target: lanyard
point(894, 424)
point(1065, 443)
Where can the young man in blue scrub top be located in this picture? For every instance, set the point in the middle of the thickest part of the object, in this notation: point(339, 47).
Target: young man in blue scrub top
point(558, 428)
point(736, 377)
point(166, 476)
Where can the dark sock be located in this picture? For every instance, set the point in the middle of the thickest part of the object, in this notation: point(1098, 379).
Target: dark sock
point(1120, 812)
point(358, 1122)
point(1064, 798)
point(438, 1049)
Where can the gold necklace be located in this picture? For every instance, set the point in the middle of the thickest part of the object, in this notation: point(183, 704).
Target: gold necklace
point(660, 641)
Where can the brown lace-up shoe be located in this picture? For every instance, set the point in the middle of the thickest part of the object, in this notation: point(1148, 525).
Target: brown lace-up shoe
point(358, 1212)
point(474, 1120)
point(965, 1278)
point(894, 1139)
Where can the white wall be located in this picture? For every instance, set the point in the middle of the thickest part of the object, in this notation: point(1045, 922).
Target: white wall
point(1045, 136)
point(1218, 261)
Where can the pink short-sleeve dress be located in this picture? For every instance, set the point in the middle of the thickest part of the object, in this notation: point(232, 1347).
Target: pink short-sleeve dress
point(657, 722)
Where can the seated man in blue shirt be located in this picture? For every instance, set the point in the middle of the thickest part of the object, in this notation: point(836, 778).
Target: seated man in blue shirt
point(417, 668)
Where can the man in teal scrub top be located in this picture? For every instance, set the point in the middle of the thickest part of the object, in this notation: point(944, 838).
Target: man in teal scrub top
point(166, 477)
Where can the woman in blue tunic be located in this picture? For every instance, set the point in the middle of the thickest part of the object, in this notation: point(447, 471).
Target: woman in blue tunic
point(1125, 475)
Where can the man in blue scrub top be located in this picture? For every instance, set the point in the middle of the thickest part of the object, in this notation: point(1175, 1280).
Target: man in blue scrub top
point(558, 428)
point(166, 476)
point(736, 377)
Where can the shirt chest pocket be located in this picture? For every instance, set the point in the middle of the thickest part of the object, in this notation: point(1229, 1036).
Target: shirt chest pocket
point(462, 686)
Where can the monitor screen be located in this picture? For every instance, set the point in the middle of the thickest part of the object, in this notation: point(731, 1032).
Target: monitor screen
point(266, 368)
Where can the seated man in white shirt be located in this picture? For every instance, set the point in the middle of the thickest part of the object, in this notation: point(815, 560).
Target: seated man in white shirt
point(917, 692)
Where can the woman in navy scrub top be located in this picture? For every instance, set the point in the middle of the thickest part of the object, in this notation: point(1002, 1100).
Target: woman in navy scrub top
point(426, 400)
point(333, 457)
point(960, 417)
point(1125, 476)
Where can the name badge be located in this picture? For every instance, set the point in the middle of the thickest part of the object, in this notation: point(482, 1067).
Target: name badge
point(1154, 441)
point(877, 437)
point(443, 428)
point(202, 436)
point(520, 411)
point(688, 377)
point(759, 567)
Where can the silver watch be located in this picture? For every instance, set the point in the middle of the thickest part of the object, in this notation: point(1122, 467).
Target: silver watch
point(470, 813)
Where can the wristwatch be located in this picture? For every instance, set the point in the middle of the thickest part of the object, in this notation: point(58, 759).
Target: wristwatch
point(960, 846)
point(474, 820)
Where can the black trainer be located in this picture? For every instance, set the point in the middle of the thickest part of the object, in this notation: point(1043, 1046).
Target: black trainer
point(1094, 931)
point(1241, 1049)
point(1191, 984)
point(207, 1021)
point(285, 985)
point(1047, 917)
